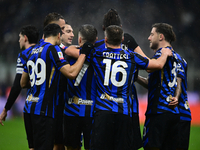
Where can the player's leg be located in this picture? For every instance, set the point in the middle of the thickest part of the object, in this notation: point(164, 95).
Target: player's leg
point(72, 132)
point(137, 138)
point(103, 133)
point(123, 132)
point(183, 135)
point(58, 142)
point(43, 132)
point(154, 132)
point(171, 131)
point(29, 130)
point(87, 128)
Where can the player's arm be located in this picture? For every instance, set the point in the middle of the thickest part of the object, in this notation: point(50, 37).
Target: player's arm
point(139, 51)
point(72, 51)
point(14, 93)
point(157, 64)
point(142, 81)
point(25, 81)
point(174, 100)
point(72, 71)
point(3, 116)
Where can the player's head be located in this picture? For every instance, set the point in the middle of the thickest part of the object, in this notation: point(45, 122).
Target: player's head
point(87, 33)
point(114, 35)
point(28, 34)
point(67, 35)
point(56, 18)
point(53, 30)
point(161, 32)
point(111, 18)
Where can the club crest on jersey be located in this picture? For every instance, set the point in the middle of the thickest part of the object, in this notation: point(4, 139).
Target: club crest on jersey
point(60, 54)
point(111, 98)
point(18, 60)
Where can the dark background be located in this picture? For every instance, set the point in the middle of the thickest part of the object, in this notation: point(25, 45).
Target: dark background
point(137, 17)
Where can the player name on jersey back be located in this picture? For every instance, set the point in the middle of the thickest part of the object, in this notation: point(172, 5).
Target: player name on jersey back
point(115, 55)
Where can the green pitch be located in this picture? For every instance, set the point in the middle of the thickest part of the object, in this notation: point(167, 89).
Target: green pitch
point(13, 136)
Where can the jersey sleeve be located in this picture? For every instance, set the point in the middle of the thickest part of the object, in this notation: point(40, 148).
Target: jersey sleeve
point(14, 92)
point(141, 61)
point(20, 66)
point(57, 57)
point(180, 71)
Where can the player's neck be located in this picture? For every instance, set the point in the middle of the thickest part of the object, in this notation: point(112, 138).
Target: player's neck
point(29, 45)
point(51, 40)
point(164, 44)
point(113, 46)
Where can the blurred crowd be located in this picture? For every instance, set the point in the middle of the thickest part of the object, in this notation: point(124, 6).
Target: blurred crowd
point(137, 17)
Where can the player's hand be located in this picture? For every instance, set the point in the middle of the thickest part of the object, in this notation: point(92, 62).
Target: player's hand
point(87, 47)
point(3, 116)
point(174, 102)
point(166, 51)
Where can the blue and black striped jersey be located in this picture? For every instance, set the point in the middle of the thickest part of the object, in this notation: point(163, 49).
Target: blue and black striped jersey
point(184, 109)
point(43, 67)
point(162, 84)
point(62, 85)
point(114, 71)
point(128, 43)
point(22, 59)
point(81, 92)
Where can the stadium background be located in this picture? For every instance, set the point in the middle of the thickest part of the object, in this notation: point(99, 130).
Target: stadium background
point(137, 17)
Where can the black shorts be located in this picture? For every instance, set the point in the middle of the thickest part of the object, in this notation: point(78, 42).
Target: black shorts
point(137, 138)
point(112, 131)
point(183, 134)
point(74, 127)
point(59, 129)
point(40, 131)
point(160, 131)
point(29, 129)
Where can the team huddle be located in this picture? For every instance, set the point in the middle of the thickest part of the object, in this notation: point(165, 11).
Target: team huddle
point(87, 92)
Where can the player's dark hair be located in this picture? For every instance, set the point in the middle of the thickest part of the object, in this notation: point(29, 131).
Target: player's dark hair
point(166, 30)
point(88, 33)
point(52, 30)
point(114, 35)
point(111, 18)
point(54, 16)
point(31, 32)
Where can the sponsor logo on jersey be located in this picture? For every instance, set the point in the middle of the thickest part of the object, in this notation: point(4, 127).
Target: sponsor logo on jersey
point(111, 98)
point(60, 55)
point(79, 101)
point(30, 98)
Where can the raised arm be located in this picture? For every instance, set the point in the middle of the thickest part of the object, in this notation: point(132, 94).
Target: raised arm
point(157, 64)
point(139, 51)
point(72, 51)
point(72, 71)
